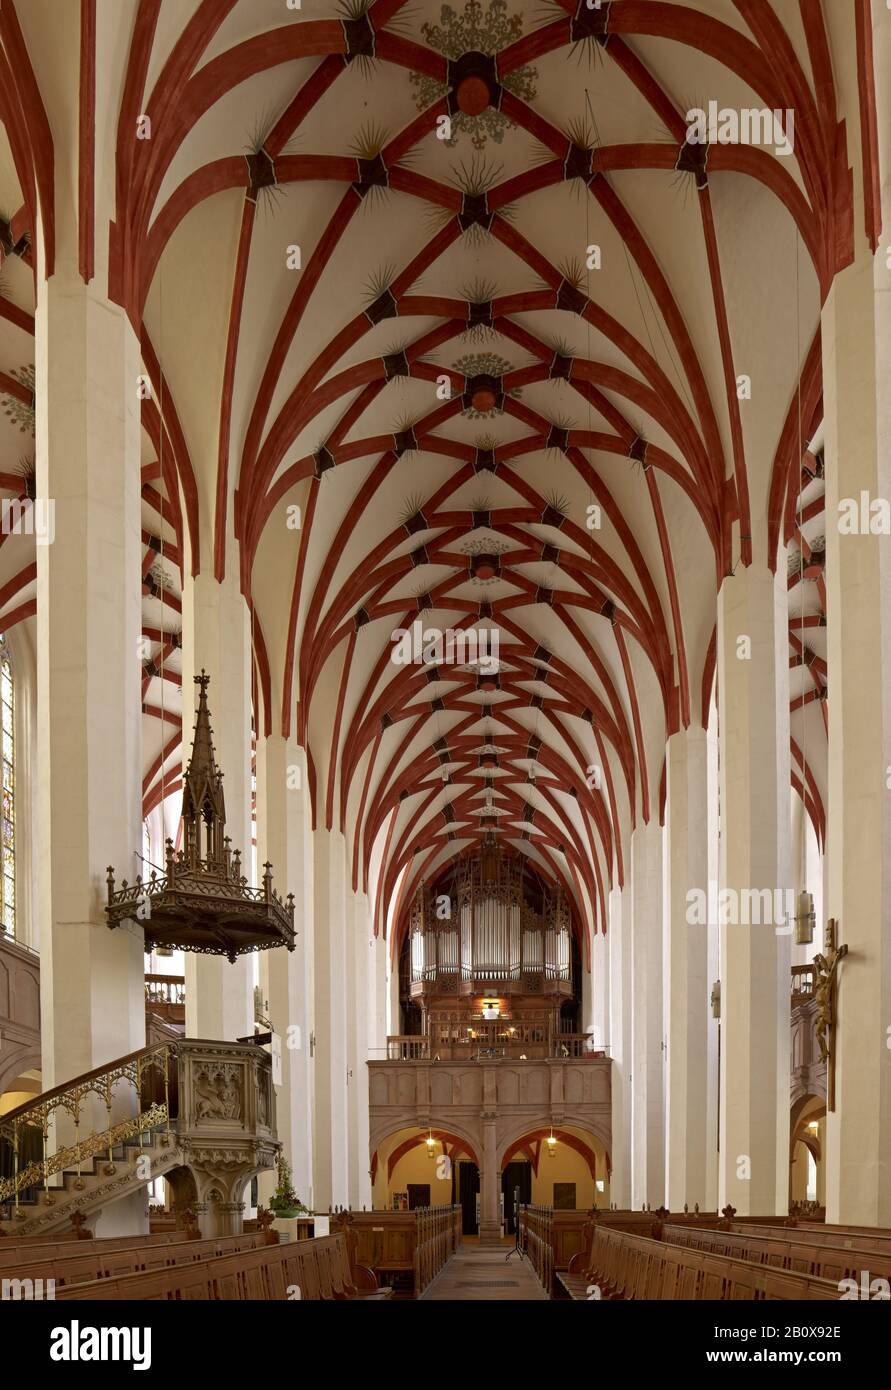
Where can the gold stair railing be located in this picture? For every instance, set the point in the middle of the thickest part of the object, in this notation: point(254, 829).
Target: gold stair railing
point(19, 1127)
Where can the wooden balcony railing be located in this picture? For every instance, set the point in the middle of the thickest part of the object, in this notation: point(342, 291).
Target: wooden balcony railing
point(485, 1047)
point(803, 983)
point(165, 989)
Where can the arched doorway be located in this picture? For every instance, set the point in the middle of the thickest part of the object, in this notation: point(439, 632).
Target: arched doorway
point(807, 1151)
point(414, 1167)
point(568, 1167)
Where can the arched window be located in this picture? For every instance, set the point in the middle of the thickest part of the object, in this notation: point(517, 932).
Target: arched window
point(7, 813)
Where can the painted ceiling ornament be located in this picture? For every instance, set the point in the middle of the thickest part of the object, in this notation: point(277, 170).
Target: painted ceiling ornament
point(477, 365)
point(475, 29)
point(21, 413)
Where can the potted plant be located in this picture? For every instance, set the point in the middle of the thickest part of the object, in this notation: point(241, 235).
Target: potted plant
point(284, 1200)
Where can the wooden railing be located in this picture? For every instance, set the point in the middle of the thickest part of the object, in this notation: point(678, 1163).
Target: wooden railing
point(489, 1043)
point(439, 1235)
point(803, 983)
point(408, 1049)
point(536, 1232)
point(406, 1249)
point(165, 989)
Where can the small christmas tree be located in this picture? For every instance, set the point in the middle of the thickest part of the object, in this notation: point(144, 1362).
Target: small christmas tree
point(284, 1200)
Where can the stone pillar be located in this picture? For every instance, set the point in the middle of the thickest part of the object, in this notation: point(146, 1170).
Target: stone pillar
point(284, 838)
point(217, 639)
point(856, 336)
point(490, 1179)
point(753, 690)
point(619, 937)
point(89, 624)
point(597, 1017)
point(331, 1167)
point(364, 963)
point(687, 985)
point(647, 1040)
point(714, 966)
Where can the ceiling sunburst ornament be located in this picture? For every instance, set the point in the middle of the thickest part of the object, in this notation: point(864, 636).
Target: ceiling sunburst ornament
point(20, 412)
point(476, 365)
point(475, 29)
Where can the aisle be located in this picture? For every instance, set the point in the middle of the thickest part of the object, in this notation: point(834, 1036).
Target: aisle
point(484, 1272)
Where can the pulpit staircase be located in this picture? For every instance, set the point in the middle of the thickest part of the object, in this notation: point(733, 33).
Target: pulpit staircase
point(208, 1107)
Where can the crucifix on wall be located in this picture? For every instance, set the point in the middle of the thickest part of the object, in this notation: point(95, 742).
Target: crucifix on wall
point(825, 989)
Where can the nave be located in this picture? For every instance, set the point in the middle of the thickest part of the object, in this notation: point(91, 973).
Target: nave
point(445, 696)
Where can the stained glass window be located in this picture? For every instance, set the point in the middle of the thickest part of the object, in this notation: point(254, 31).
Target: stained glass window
point(7, 807)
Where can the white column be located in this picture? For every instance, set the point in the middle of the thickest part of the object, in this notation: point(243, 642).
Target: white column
point(687, 985)
point(216, 638)
point(284, 838)
point(363, 959)
point(647, 1041)
point(331, 1166)
point(753, 687)
point(89, 624)
point(714, 965)
point(597, 1015)
point(856, 370)
point(619, 937)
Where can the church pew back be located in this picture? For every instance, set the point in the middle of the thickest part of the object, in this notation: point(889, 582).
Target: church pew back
point(94, 1261)
point(626, 1266)
point(779, 1251)
point(307, 1270)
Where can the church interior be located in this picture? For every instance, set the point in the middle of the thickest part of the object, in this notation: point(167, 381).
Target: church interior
point(445, 844)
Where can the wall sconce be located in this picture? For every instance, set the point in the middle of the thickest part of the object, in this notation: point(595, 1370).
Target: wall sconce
point(804, 919)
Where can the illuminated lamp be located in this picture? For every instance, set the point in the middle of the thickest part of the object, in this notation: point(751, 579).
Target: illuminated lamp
point(473, 95)
point(552, 1143)
point(430, 1143)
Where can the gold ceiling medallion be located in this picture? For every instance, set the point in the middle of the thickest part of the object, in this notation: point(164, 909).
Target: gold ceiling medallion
point(470, 37)
point(203, 903)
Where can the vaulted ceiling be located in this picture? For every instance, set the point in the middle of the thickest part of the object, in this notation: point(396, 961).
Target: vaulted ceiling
point(460, 340)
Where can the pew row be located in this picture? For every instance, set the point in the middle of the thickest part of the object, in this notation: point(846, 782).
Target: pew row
point(52, 1247)
point(93, 1260)
point(623, 1266)
point(782, 1250)
point(404, 1248)
point(305, 1270)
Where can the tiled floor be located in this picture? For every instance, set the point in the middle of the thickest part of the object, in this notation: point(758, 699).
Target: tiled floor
point(485, 1272)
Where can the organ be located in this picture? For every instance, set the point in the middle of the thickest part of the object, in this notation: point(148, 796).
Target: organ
point(487, 967)
point(494, 926)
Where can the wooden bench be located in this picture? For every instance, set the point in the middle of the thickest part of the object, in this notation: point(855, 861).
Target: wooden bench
point(95, 1261)
point(407, 1247)
point(839, 1237)
point(625, 1266)
point(47, 1247)
point(783, 1249)
point(308, 1270)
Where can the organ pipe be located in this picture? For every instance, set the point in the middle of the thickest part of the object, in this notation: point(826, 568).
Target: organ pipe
point(493, 932)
